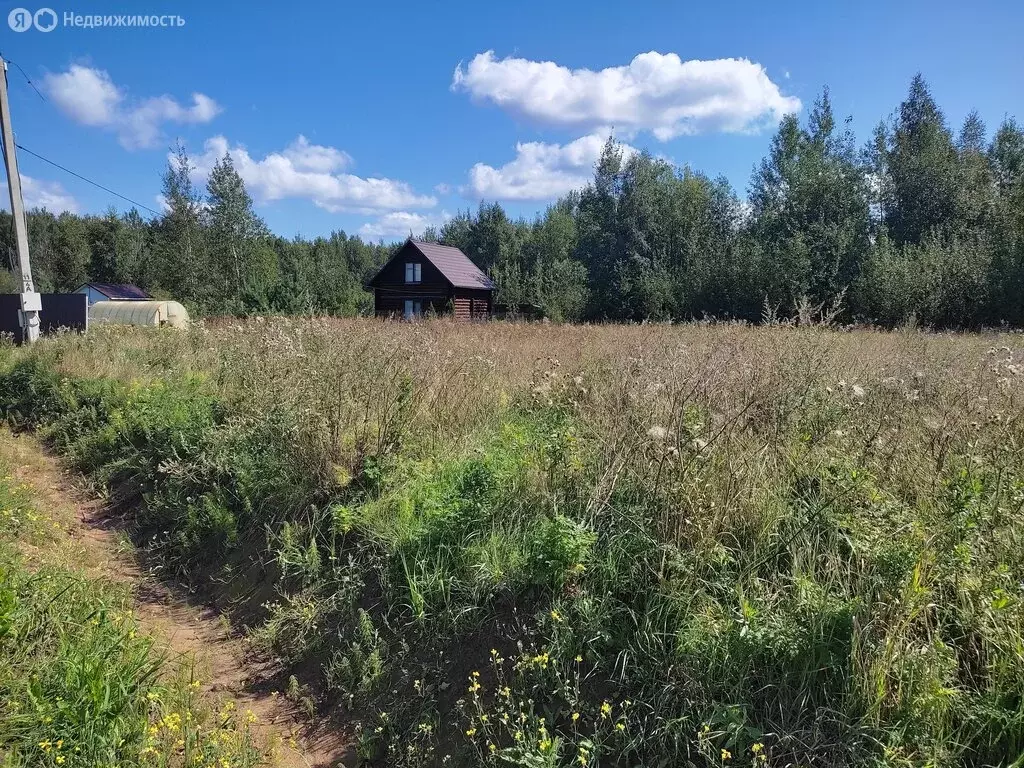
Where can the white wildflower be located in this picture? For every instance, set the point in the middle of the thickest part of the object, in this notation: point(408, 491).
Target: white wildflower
point(657, 433)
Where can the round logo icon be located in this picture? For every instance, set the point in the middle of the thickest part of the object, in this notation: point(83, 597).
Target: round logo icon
point(20, 19)
point(45, 19)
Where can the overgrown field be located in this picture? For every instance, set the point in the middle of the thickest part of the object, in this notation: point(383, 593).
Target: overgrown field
point(550, 546)
point(81, 684)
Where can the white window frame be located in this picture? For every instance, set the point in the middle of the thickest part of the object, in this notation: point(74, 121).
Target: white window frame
point(413, 272)
point(412, 309)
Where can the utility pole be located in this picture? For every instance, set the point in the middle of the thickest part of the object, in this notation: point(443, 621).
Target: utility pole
point(31, 303)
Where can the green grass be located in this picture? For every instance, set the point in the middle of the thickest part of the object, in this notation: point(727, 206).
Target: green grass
point(542, 546)
point(81, 684)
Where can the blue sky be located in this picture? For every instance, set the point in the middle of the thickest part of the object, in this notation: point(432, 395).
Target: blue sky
point(352, 115)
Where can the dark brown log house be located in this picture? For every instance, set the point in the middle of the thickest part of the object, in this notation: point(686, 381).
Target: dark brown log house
point(427, 277)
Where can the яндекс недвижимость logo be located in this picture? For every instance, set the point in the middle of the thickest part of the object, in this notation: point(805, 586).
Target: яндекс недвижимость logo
point(22, 19)
point(46, 20)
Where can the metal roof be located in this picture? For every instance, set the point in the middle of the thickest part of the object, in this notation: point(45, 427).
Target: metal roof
point(453, 264)
point(456, 266)
point(122, 291)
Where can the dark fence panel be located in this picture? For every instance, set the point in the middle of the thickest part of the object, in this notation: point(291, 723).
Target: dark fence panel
point(60, 310)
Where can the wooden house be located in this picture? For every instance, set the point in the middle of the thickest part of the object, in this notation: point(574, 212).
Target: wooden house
point(427, 277)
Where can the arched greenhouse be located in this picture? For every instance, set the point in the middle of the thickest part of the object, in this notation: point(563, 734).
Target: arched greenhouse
point(169, 313)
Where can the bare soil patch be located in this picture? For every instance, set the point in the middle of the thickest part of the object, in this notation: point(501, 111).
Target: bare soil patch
point(186, 629)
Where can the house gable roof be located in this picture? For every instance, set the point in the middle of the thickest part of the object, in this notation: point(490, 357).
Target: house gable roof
point(455, 266)
point(122, 291)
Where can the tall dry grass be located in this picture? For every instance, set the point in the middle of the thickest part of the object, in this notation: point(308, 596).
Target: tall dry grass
point(779, 545)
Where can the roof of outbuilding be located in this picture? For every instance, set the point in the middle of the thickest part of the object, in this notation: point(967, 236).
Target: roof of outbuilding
point(122, 291)
point(456, 267)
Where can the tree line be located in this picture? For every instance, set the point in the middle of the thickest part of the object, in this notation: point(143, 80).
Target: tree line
point(209, 250)
point(920, 223)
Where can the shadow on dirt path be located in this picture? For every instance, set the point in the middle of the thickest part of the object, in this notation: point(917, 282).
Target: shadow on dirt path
point(187, 630)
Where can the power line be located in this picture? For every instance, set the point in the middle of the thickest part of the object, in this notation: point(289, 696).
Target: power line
point(88, 181)
point(61, 167)
point(28, 79)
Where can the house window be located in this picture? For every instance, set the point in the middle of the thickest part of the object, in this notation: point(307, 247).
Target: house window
point(412, 272)
point(413, 309)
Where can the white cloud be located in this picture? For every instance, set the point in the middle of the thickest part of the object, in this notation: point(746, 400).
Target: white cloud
point(655, 92)
point(540, 171)
point(311, 172)
point(399, 224)
point(313, 157)
point(37, 193)
point(90, 97)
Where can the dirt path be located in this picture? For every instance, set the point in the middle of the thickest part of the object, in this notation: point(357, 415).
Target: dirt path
point(187, 630)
